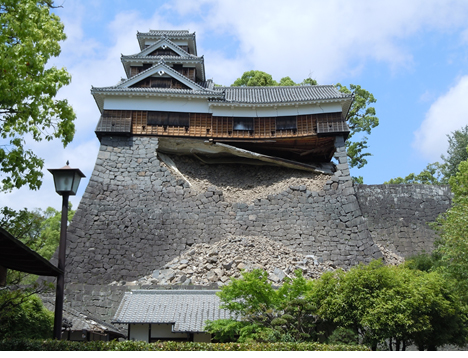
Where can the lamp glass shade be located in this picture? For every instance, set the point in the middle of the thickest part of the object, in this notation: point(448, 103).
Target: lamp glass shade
point(66, 180)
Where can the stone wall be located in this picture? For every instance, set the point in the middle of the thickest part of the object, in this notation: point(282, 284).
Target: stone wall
point(397, 215)
point(136, 215)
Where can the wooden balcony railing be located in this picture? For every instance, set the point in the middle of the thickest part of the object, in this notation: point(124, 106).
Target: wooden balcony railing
point(205, 125)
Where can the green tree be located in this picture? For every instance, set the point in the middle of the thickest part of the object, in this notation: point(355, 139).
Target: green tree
point(29, 36)
point(457, 152)
point(255, 78)
point(452, 227)
point(24, 316)
point(361, 119)
point(37, 229)
point(287, 81)
point(21, 312)
point(392, 305)
point(263, 313)
point(431, 175)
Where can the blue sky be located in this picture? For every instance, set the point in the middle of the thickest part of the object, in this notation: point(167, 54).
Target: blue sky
point(411, 54)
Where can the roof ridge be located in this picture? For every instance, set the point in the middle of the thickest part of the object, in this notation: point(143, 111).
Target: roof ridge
point(163, 63)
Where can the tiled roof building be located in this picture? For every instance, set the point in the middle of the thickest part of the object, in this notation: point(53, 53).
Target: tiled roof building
point(166, 94)
point(169, 314)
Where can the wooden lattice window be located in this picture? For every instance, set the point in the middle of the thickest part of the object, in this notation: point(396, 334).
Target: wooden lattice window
point(115, 121)
point(286, 122)
point(168, 119)
point(331, 123)
point(243, 124)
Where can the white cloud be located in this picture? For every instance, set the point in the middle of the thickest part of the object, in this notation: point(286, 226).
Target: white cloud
point(330, 38)
point(447, 114)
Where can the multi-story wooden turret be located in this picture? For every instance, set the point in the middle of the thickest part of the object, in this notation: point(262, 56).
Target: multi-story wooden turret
point(167, 95)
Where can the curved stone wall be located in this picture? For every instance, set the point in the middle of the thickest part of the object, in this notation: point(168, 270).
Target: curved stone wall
point(136, 215)
point(398, 215)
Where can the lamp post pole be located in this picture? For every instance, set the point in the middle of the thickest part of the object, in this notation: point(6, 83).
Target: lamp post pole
point(61, 265)
point(66, 182)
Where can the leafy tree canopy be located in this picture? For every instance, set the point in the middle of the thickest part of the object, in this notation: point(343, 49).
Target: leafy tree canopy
point(24, 317)
point(264, 313)
point(39, 230)
point(373, 304)
point(361, 119)
point(29, 37)
point(393, 305)
point(431, 175)
point(457, 152)
point(452, 227)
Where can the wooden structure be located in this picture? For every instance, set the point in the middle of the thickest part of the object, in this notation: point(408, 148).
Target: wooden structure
point(167, 94)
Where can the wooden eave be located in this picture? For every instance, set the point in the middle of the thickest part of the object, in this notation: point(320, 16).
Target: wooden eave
point(17, 256)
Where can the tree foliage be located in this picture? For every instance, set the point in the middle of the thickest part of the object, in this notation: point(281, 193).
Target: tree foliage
point(372, 304)
point(26, 318)
point(431, 175)
point(452, 226)
point(263, 313)
point(37, 229)
point(394, 305)
point(21, 312)
point(361, 119)
point(263, 79)
point(457, 152)
point(29, 36)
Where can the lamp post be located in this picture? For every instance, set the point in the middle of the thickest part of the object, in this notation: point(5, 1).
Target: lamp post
point(66, 182)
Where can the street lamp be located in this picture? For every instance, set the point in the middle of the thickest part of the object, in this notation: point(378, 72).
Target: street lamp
point(66, 182)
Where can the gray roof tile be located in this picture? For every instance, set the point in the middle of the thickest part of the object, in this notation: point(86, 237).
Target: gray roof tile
point(262, 95)
point(187, 310)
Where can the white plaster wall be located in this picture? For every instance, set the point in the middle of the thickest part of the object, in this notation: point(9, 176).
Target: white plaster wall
point(139, 332)
point(291, 110)
point(142, 103)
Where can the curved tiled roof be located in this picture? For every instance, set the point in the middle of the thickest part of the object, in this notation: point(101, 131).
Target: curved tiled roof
point(168, 70)
point(166, 58)
point(167, 33)
point(187, 310)
point(277, 94)
point(148, 90)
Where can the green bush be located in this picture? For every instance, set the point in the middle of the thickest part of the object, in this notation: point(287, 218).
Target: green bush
point(343, 335)
point(54, 345)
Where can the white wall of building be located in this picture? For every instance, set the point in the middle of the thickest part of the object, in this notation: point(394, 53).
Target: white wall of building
point(174, 104)
point(139, 332)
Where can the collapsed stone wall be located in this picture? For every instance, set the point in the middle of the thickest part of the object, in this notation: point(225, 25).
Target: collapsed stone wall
point(137, 215)
point(398, 215)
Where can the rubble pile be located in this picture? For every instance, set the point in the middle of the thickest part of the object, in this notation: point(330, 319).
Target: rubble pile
point(205, 264)
point(246, 183)
point(390, 258)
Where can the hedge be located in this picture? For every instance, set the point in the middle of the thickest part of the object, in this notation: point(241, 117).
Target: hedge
point(54, 345)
